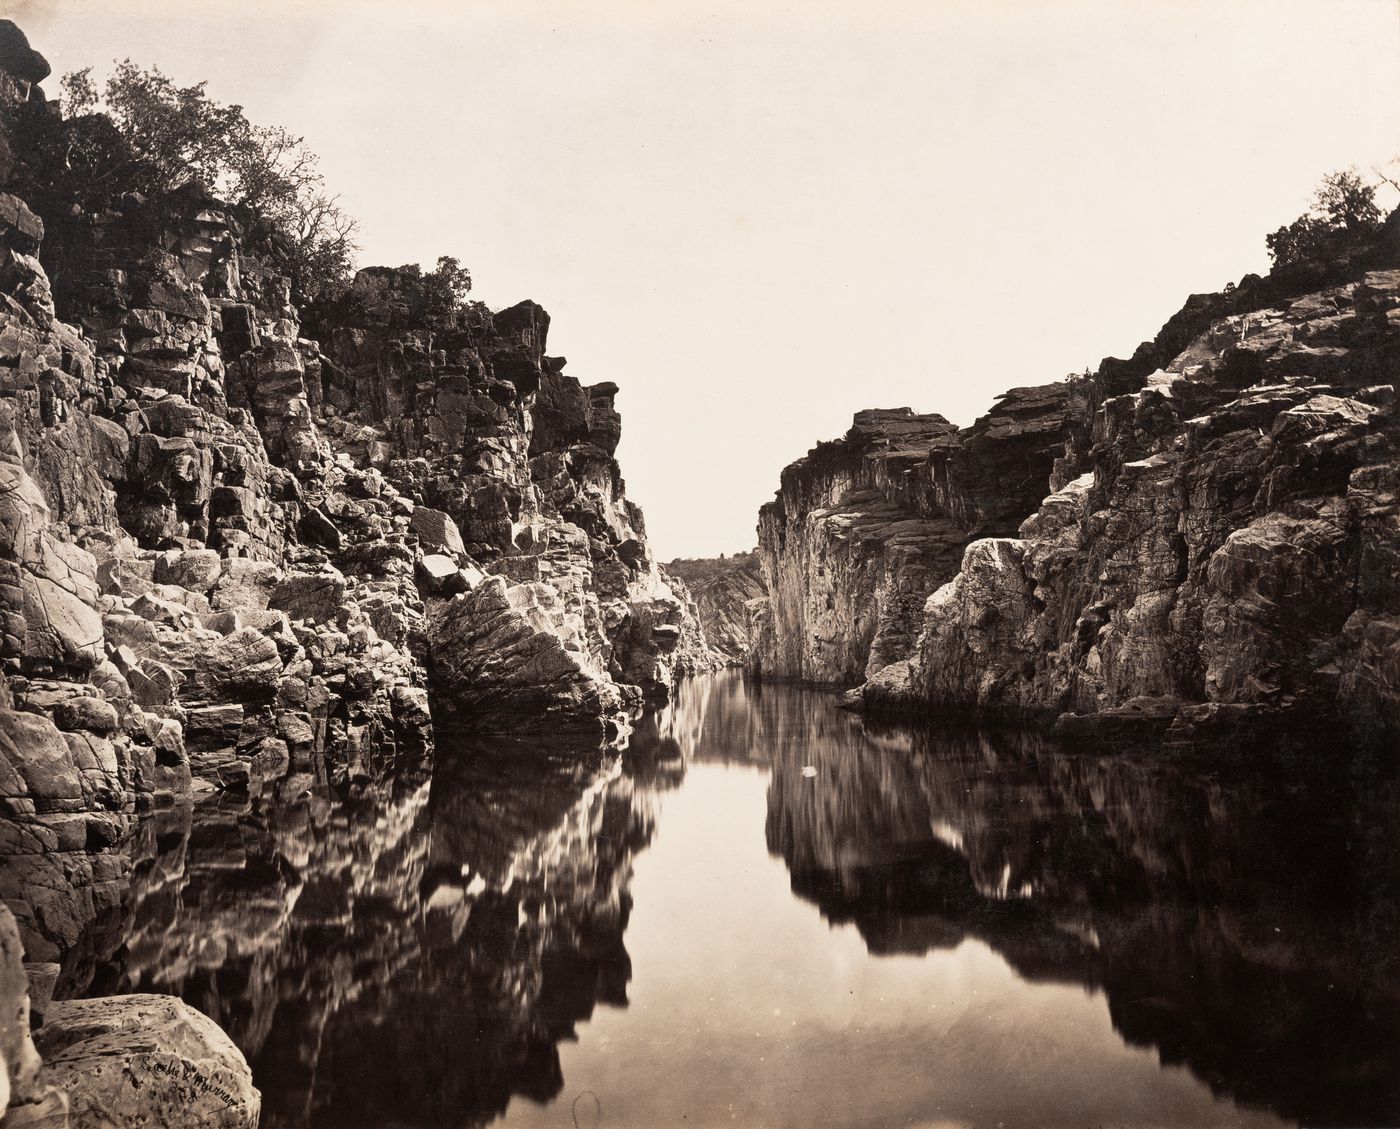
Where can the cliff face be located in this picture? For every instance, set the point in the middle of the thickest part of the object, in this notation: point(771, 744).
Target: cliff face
point(229, 549)
point(1229, 548)
point(560, 614)
point(864, 528)
point(1203, 534)
point(722, 589)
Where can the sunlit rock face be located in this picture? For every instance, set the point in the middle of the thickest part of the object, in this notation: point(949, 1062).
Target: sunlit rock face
point(1229, 545)
point(722, 589)
point(1204, 535)
point(237, 537)
point(864, 528)
point(412, 955)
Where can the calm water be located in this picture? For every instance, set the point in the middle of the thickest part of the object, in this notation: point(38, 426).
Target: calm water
point(765, 913)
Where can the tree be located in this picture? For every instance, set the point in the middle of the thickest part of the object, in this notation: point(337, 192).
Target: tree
point(445, 289)
point(147, 134)
point(1344, 218)
point(1348, 201)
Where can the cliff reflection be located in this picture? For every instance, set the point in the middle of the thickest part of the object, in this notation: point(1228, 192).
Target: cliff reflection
point(1244, 927)
point(416, 953)
point(409, 956)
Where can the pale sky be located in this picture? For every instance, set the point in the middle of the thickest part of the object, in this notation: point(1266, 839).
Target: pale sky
point(759, 217)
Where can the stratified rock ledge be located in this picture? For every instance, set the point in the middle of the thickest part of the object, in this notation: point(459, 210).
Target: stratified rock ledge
point(1195, 549)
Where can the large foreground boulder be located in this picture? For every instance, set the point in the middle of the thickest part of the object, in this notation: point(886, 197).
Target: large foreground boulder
point(145, 1060)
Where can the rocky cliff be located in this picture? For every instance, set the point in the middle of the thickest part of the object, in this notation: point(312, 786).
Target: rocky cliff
point(238, 537)
point(1204, 534)
point(865, 527)
point(722, 589)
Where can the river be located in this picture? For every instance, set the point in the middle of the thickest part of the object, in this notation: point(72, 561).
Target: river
point(766, 912)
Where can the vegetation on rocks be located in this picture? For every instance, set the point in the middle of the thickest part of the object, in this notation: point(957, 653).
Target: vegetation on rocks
point(1344, 220)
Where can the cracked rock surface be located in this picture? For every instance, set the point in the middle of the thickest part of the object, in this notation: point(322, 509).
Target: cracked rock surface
point(239, 539)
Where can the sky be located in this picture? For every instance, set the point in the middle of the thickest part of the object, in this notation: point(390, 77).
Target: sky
point(760, 217)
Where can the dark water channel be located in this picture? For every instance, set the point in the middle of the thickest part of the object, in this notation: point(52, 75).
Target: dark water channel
point(767, 913)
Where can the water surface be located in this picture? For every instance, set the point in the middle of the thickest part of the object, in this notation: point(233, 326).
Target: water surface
point(768, 913)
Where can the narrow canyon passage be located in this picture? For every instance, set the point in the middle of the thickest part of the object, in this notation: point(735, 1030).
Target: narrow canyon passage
point(768, 912)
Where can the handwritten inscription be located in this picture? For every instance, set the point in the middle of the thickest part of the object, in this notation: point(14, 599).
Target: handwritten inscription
point(193, 1076)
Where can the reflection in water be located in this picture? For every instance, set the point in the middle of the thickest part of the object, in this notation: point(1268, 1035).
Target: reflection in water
point(1012, 933)
point(409, 957)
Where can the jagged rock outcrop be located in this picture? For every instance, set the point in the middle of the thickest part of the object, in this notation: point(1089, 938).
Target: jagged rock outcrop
point(515, 459)
point(233, 553)
point(1224, 547)
point(1205, 535)
point(864, 528)
point(225, 549)
point(722, 589)
point(162, 620)
point(19, 1061)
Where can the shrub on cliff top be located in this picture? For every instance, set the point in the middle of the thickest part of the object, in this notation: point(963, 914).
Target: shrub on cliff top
point(146, 134)
point(403, 298)
point(1344, 219)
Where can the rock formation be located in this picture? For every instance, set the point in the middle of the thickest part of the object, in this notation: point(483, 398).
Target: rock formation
point(239, 538)
point(413, 958)
point(864, 528)
point(1227, 544)
point(1202, 535)
point(722, 589)
point(138, 1060)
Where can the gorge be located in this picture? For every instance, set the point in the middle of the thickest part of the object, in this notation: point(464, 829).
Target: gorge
point(363, 766)
point(1200, 539)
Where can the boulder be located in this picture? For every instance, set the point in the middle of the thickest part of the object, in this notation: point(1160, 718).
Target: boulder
point(196, 569)
point(61, 629)
point(437, 532)
point(439, 575)
point(33, 749)
point(508, 657)
point(86, 712)
point(319, 597)
point(145, 1060)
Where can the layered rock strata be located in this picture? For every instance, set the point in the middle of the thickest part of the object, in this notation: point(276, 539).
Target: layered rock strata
point(1204, 535)
point(242, 542)
point(722, 589)
point(864, 528)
